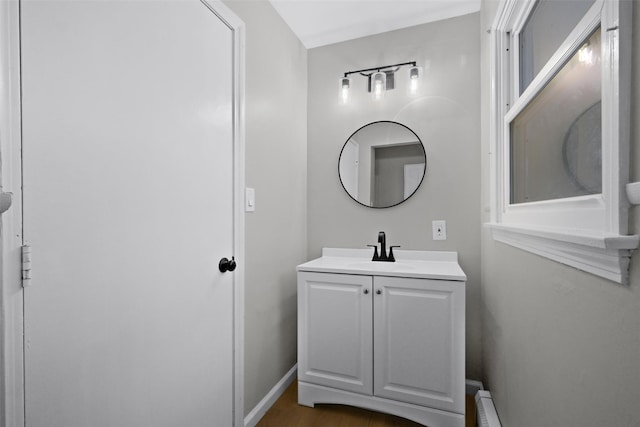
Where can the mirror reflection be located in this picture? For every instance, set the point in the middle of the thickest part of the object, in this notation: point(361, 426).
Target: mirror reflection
point(382, 164)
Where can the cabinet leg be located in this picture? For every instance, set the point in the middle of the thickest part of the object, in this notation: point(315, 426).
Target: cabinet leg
point(304, 398)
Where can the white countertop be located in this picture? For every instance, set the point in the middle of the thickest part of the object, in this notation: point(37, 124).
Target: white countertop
point(418, 264)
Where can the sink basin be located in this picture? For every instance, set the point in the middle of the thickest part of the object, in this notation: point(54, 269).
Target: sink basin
point(380, 266)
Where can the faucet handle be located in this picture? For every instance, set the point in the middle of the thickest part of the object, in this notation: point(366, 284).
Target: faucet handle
point(376, 257)
point(391, 257)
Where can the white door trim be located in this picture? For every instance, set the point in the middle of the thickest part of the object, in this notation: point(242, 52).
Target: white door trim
point(237, 27)
point(11, 295)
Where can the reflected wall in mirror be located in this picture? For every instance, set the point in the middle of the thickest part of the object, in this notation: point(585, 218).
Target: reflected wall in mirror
point(382, 164)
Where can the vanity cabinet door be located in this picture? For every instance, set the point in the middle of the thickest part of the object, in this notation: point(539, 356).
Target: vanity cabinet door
point(335, 331)
point(419, 342)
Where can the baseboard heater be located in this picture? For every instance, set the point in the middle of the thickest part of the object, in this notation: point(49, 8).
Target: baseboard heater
point(486, 415)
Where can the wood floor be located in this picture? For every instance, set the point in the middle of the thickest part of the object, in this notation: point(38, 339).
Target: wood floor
point(287, 413)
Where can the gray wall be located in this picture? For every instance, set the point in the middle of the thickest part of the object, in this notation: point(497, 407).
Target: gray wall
point(446, 116)
point(276, 156)
point(560, 346)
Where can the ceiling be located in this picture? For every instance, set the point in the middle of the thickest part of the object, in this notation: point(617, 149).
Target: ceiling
point(322, 22)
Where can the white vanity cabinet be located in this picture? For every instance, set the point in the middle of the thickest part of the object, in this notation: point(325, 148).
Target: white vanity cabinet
point(383, 337)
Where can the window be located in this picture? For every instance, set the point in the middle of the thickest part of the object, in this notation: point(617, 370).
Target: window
point(556, 139)
point(560, 129)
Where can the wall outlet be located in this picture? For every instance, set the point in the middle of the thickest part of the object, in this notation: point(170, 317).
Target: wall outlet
point(439, 230)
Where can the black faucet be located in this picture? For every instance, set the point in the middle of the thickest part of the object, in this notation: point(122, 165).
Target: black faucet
point(382, 239)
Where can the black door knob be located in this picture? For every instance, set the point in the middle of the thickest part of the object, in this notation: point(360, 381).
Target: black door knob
point(226, 264)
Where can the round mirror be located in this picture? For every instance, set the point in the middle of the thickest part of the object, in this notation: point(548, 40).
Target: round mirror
point(382, 164)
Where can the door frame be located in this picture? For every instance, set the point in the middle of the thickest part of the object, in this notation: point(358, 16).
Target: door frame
point(12, 405)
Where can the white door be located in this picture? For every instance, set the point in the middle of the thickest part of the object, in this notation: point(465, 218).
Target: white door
point(334, 331)
point(413, 174)
point(128, 187)
point(419, 342)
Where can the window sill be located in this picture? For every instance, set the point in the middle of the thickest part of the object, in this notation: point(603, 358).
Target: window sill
point(603, 254)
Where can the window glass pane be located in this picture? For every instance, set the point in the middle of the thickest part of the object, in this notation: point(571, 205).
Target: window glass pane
point(546, 28)
point(556, 141)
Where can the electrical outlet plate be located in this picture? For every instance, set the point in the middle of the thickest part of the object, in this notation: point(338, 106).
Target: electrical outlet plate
point(439, 230)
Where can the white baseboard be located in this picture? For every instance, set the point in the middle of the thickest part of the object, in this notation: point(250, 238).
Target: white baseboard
point(267, 402)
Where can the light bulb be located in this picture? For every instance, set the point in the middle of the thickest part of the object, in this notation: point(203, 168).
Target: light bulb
point(378, 90)
point(343, 88)
point(413, 86)
point(415, 73)
point(378, 85)
point(585, 55)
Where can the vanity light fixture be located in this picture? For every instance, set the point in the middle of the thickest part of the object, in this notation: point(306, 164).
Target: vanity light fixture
point(345, 85)
point(415, 75)
point(380, 80)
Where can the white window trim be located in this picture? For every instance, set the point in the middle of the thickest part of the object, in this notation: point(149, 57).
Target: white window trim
point(586, 232)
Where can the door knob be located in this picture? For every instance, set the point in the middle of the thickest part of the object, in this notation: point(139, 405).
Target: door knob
point(226, 264)
point(378, 292)
point(366, 291)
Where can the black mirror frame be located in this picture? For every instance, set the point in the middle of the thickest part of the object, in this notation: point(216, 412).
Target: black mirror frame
point(424, 153)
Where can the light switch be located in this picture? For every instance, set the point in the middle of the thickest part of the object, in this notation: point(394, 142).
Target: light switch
point(250, 200)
